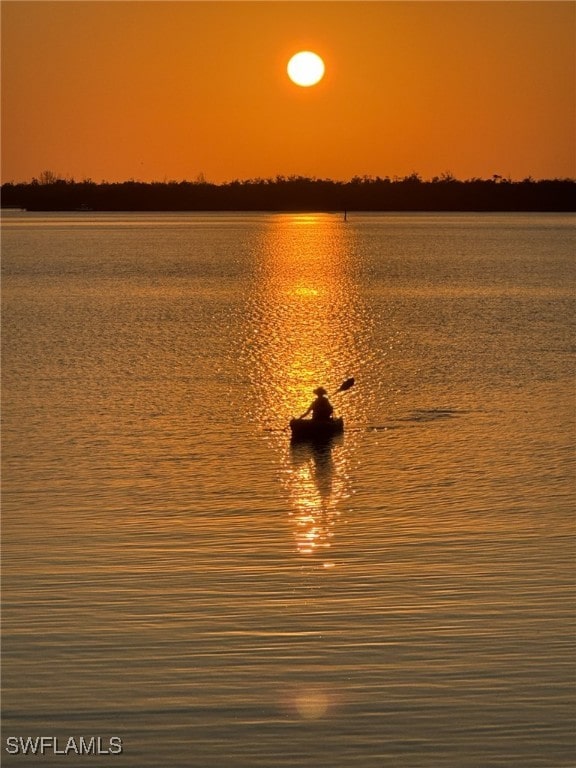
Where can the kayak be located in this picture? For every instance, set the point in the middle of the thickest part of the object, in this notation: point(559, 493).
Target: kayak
point(315, 429)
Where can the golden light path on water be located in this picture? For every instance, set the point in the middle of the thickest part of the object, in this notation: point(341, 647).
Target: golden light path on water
point(306, 326)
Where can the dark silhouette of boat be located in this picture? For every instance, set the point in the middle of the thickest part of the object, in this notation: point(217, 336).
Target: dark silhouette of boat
point(315, 429)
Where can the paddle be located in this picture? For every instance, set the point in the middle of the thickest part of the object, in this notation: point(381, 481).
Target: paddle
point(345, 385)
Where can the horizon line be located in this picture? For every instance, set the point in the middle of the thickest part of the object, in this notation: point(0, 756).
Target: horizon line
point(46, 178)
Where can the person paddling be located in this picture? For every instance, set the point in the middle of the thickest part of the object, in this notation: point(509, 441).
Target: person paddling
point(321, 407)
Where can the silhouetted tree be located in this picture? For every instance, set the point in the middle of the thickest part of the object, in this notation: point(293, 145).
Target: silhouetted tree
point(361, 193)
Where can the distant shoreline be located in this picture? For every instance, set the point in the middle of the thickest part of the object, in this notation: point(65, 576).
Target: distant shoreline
point(296, 194)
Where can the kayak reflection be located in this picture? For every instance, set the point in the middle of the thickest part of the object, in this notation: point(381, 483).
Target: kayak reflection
point(316, 481)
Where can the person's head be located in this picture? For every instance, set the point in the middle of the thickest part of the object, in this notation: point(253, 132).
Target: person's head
point(320, 391)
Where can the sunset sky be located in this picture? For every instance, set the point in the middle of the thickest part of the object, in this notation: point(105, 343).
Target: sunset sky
point(170, 90)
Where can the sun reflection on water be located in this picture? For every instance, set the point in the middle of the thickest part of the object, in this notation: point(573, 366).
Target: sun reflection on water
point(317, 483)
point(305, 325)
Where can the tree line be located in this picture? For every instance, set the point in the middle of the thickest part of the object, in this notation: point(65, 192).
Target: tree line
point(294, 193)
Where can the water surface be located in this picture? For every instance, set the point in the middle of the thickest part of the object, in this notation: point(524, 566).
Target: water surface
point(178, 575)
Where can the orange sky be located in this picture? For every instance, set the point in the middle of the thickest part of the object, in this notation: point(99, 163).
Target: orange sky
point(168, 90)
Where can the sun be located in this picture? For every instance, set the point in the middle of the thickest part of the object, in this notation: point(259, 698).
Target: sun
point(305, 68)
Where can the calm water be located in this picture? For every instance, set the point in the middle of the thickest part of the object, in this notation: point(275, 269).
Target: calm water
point(176, 575)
